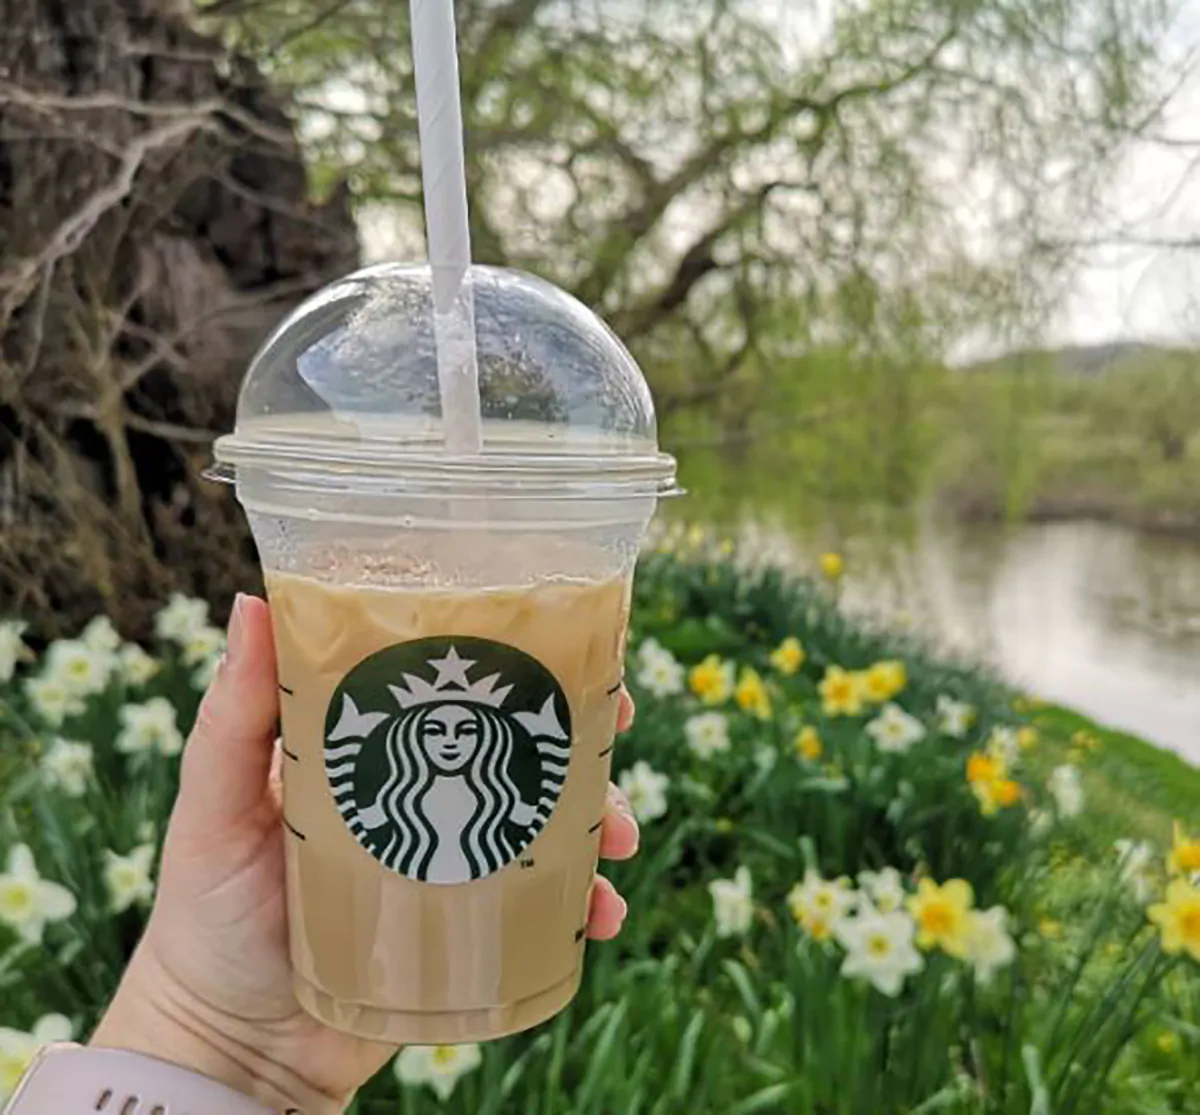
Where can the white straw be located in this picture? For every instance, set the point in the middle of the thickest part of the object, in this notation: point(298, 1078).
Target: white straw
point(439, 117)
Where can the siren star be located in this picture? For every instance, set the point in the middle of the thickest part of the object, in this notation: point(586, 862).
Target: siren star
point(451, 669)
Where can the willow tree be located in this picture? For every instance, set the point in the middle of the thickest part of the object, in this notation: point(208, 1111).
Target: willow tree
point(739, 186)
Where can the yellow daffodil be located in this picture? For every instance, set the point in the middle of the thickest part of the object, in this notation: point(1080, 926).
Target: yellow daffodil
point(808, 744)
point(982, 767)
point(833, 566)
point(1051, 929)
point(752, 696)
point(995, 794)
point(841, 692)
point(942, 914)
point(1178, 917)
point(1027, 738)
point(789, 656)
point(884, 680)
point(1184, 857)
point(712, 680)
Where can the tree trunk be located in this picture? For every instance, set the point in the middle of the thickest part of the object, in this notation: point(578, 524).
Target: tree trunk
point(154, 224)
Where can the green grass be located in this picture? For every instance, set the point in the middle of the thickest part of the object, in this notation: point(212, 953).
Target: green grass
point(675, 1018)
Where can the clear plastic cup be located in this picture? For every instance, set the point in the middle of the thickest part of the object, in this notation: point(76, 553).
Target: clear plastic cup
point(450, 634)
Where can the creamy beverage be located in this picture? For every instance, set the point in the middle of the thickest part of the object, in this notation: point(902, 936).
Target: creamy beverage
point(446, 758)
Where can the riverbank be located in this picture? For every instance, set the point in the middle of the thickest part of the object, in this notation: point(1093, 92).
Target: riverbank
point(1079, 507)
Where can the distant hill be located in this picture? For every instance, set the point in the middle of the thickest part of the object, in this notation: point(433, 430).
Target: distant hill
point(1082, 360)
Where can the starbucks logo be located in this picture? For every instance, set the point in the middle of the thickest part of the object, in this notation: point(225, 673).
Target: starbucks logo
point(446, 756)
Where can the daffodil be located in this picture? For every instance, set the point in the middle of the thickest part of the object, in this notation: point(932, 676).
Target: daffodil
point(752, 696)
point(942, 915)
point(841, 692)
point(1051, 929)
point(203, 675)
point(150, 726)
point(128, 878)
point(818, 904)
point(81, 669)
point(135, 666)
point(1134, 859)
point(707, 734)
point(1066, 788)
point(68, 766)
point(833, 566)
point(1184, 857)
point(646, 790)
point(884, 889)
point(1178, 918)
point(879, 948)
point(808, 744)
point(996, 794)
point(12, 647)
point(440, 1067)
point(27, 901)
point(990, 946)
point(202, 644)
point(954, 718)
point(1027, 738)
point(733, 904)
point(894, 730)
point(100, 635)
point(1003, 746)
point(18, 1048)
point(882, 681)
point(789, 656)
point(181, 618)
point(658, 671)
point(982, 767)
point(712, 680)
point(51, 700)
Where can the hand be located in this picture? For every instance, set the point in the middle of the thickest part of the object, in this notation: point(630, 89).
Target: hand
point(210, 987)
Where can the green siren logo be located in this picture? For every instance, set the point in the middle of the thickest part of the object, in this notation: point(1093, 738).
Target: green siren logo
point(446, 756)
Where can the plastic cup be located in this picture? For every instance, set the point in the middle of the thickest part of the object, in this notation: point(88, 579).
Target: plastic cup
point(450, 634)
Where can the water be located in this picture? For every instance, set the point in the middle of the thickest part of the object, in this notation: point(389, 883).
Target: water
point(1102, 618)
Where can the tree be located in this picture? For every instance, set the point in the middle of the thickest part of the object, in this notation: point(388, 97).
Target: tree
point(155, 224)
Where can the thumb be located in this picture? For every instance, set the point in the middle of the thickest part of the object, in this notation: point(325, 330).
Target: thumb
point(228, 755)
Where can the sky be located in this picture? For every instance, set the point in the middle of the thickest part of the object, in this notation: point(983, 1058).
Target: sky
point(1125, 292)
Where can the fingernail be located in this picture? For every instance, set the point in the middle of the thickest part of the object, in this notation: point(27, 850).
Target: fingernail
point(624, 906)
point(235, 628)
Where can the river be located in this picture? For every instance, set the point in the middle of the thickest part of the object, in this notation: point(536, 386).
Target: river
point(1100, 617)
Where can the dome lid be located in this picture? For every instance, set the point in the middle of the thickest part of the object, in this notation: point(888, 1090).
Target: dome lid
point(345, 392)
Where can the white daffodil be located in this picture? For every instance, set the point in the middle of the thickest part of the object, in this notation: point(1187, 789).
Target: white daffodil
point(68, 765)
point(1136, 859)
point(82, 670)
point(100, 635)
point(52, 700)
point(438, 1066)
point(180, 618)
point(12, 647)
point(765, 757)
point(818, 904)
point(1066, 788)
point(990, 946)
point(658, 672)
point(646, 790)
point(27, 901)
point(150, 726)
point(880, 949)
point(1004, 745)
point(885, 889)
point(733, 903)
point(135, 665)
point(954, 718)
point(128, 877)
point(894, 730)
point(203, 644)
point(707, 734)
point(18, 1048)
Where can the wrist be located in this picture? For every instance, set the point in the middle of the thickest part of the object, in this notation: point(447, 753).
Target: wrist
point(151, 1016)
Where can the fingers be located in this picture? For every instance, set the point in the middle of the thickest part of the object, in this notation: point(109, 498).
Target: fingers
point(228, 756)
point(607, 912)
point(625, 711)
point(619, 834)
